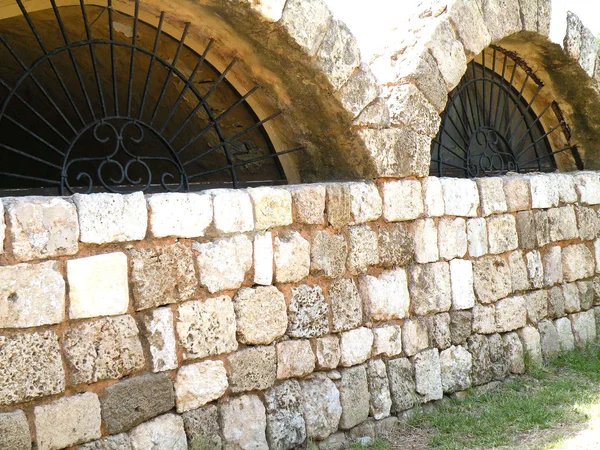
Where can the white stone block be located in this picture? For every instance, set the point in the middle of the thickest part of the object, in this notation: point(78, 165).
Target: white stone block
point(535, 269)
point(428, 376)
point(461, 280)
point(566, 187)
point(518, 272)
point(544, 191)
point(232, 210)
point(433, 197)
point(456, 364)
point(565, 334)
point(517, 192)
point(327, 352)
point(365, 202)
point(263, 259)
point(385, 297)
point(532, 345)
point(553, 266)
point(272, 207)
point(309, 203)
point(292, 257)
point(511, 314)
point(577, 262)
point(387, 340)
point(597, 254)
point(160, 335)
point(355, 346)
point(477, 237)
point(98, 285)
point(502, 233)
point(562, 224)
point(199, 383)
point(180, 215)
point(295, 358)
point(415, 336)
point(584, 328)
point(426, 241)
point(243, 422)
point(484, 319)
point(588, 187)
point(163, 432)
point(452, 237)
point(261, 314)
point(402, 200)
point(491, 193)
point(461, 197)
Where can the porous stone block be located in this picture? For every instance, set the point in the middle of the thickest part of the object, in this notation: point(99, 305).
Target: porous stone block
point(428, 377)
point(477, 237)
point(586, 294)
point(597, 254)
point(355, 346)
point(502, 233)
point(223, 263)
point(471, 28)
point(364, 250)
point(354, 396)
point(338, 55)
point(532, 346)
point(41, 227)
point(518, 271)
point(261, 314)
point(295, 358)
point(401, 375)
point(526, 229)
point(345, 303)
point(452, 237)
point(232, 211)
point(254, 368)
point(309, 203)
point(328, 254)
point(202, 428)
point(537, 305)
point(588, 223)
point(409, 107)
point(484, 319)
point(502, 19)
point(584, 328)
point(67, 421)
point(481, 372)
point(562, 224)
point(107, 348)
point(105, 218)
point(511, 314)
point(165, 431)
point(461, 280)
point(365, 202)
point(199, 383)
point(556, 303)
point(206, 328)
point(433, 196)
point(385, 297)
point(549, 339)
point(552, 262)
point(491, 193)
point(425, 235)
point(396, 245)
point(544, 191)
point(566, 190)
point(517, 192)
point(387, 340)
point(535, 269)
point(339, 205)
point(566, 340)
point(542, 227)
point(492, 279)
point(402, 200)
point(460, 326)
point(31, 295)
point(116, 442)
point(359, 91)
point(136, 400)
point(263, 259)
point(328, 352)
point(292, 257)
point(415, 335)
point(307, 312)
point(571, 294)
point(449, 54)
point(272, 207)
point(316, 392)
point(286, 428)
point(461, 197)
point(14, 431)
point(183, 215)
point(455, 367)
point(513, 349)
point(439, 330)
point(308, 33)
point(429, 286)
point(379, 390)
point(587, 185)
point(376, 115)
point(577, 262)
point(499, 363)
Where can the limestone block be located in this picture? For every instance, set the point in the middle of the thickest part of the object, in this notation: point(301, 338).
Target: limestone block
point(455, 366)
point(587, 185)
point(316, 392)
point(537, 305)
point(385, 297)
point(566, 189)
point(499, 362)
point(439, 330)
point(415, 335)
point(492, 279)
point(30, 367)
point(460, 326)
point(502, 233)
point(588, 223)
point(471, 29)
point(354, 396)
point(41, 227)
point(365, 202)
point(452, 237)
point(566, 340)
point(309, 203)
point(572, 302)
point(295, 358)
point(269, 10)
point(355, 346)
point(461, 279)
point(107, 348)
point(429, 286)
point(542, 228)
point(552, 263)
point(261, 314)
point(14, 431)
point(263, 259)
point(328, 254)
point(199, 383)
point(286, 428)
point(513, 349)
point(409, 107)
point(105, 218)
point(387, 340)
point(345, 303)
point(584, 328)
point(374, 115)
point(328, 352)
point(67, 421)
point(549, 339)
point(433, 197)
point(511, 313)
point(307, 312)
point(532, 346)
point(562, 223)
point(518, 193)
point(202, 427)
point(98, 285)
point(159, 275)
point(535, 269)
point(426, 241)
point(206, 328)
point(577, 262)
point(544, 191)
point(254, 368)
point(491, 193)
point(501, 18)
point(461, 197)
point(597, 254)
point(449, 54)
point(519, 271)
point(477, 237)
point(364, 250)
point(135, 400)
point(396, 245)
point(428, 377)
point(360, 90)
point(401, 375)
point(338, 55)
point(379, 390)
point(232, 210)
point(402, 200)
point(339, 205)
point(31, 295)
point(556, 303)
point(165, 431)
point(272, 207)
point(292, 257)
point(223, 263)
point(481, 372)
point(586, 294)
point(183, 215)
point(484, 319)
point(527, 230)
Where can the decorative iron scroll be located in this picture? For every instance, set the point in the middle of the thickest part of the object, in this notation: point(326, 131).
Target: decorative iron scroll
point(95, 100)
point(489, 128)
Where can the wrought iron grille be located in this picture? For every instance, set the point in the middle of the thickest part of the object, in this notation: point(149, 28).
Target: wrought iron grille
point(96, 100)
point(489, 128)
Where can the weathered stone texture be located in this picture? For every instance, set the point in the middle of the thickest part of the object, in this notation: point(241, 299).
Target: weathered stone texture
point(387, 340)
point(184, 215)
point(360, 90)
point(402, 200)
point(365, 202)
point(355, 346)
point(263, 259)
point(492, 279)
point(254, 368)
point(345, 303)
point(202, 428)
point(588, 223)
point(491, 193)
point(244, 423)
point(484, 319)
point(433, 197)
point(513, 349)
point(354, 396)
point(566, 340)
point(415, 335)
point(502, 233)
point(537, 305)
point(309, 203)
point(562, 224)
point(425, 237)
point(455, 369)
point(577, 262)
point(477, 237)
point(518, 196)
point(526, 230)
point(460, 326)
point(396, 245)
point(549, 339)
point(556, 303)
point(116, 442)
point(481, 372)
point(14, 431)
point(428, 379)
point(470, 26)
point(452, 238)
point(286, 428)
point(532, 347)
point(338, 55)
point(385, 297)
point(292, 257)
point(542, 227)
point(584, 328)
point(328, 352)
point(165, 431)
point(572, 301)
point(328, 254)
point(295, 358)
point(553, 266)
point(402, 384)
point(307, 312)
point(544, 191)
point(588, 188)
point(429, 286)
point(157, 329)
point(449, 54)
point(408, 106)
point(461, 197)
point(232, 210)
point(364, 251)
point(316, 392)
point(499, 362)
point(199, 383)
point(511, 313)
point(272, 207)
point(379, 390)
point(439, 330)
point(261, 314)
point(519, 271)
point(461, 280)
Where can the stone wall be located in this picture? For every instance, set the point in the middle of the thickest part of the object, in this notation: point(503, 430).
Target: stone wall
point(271, 316)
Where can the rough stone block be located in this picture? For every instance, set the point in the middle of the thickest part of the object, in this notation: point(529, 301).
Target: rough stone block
point(481, 372)
point(307, 312)
point(263, 259)
point(365, 202)
point(292, 257)
point(477, 237)
point(354, 396)
point(587, 185)
point(286, 428)
point(385, 297)
point(461, 197)
point(484, 319)
point(272, 207)
point(105, 218)
point(566, 340)
point(338, 55)
point(577, 262)
point(402, 200)
point(328, 352)
point(566, 190)
point(535, 269)
point(499, 362)
point(316, 392)
point(309, 203)
point(345, 303)
point(307, 33)
point(401, 375)
point(396, 245)
point(588, 223)
point(537, 305)
point(67, 421)
point(527, 230)
point(379, 390)
point(556, 303)
point(552, 262)
point(518, 194)
point(428, 377)
point(165, 431)
point(14, 431)
point(202, 428)
point(232, 210)
point(339, 205)
point(360, 90)
point(364, 251)
point(532, 346)
point(415, 335)
point(223, 263)
point(513, 349)
point(461, 280)
point(295, 358)
point(433, 197)
point(449, 54)
point(542, 227)
point(502, 233)
point(116, 442)
point(549, 339)
point(502, 19)
point(584, 328)
point(355, 346)
point(452, 237)
point(518, 271)
point(409, 107)
point(41, 227)
point(429, 286)
point(455, 366)
point(199, 383)
point(182, 215)
point(375, 115)
point(206, 328)
point(387, 340)
point(107, 348)
point(426, 241)
point(586, 294)
point(261, 314)
point(562, 224)
point(254, 368)
point(460, 326)
point(491, 193)
point(492, 279)
point(328, 254)
point(471, 29)
point(572, 302)
point(544, 191)
point(31, 295)
point(511, 314)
